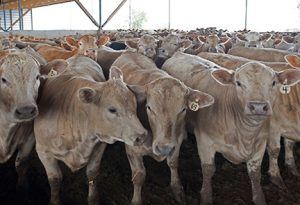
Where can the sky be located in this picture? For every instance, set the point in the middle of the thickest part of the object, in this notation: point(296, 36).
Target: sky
point(263, 15)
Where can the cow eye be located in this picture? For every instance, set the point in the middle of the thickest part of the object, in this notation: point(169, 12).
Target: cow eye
point(238, 83)
point(274, 83)
point(112, 110)
point(183, 110)
point(80, 43)
point(3, 80)
point(148, 107)
point(38, 77)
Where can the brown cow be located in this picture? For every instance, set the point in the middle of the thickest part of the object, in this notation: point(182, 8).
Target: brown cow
point(260, 54)
point(164, 102)
point(20, 80)
point(243, 101)
point(78, 111)
point(86, 45)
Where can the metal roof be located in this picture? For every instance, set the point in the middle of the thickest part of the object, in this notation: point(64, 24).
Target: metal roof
point(28, 4)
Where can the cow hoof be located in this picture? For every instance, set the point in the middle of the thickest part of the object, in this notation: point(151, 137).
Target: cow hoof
point(279, 183)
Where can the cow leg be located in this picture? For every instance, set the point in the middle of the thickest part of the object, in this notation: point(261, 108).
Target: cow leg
point(175, 180)
point(54, 176)
point(92, 172)
point(254, 171)
point(289, 157)
point(138, 173)
point(273, 151)
point(207, 157)
point(21, 162)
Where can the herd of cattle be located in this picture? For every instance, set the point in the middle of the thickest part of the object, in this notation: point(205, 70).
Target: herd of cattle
point(69, 97)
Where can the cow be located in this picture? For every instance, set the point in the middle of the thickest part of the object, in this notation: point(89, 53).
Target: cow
point(19, 84)
point(86, 45)
point(233, 62)
point(163, 104)
point(231, 126)
point(285, 123)
point(79, 113)
point(168, 46)
point(212, 44)
point(260, 54)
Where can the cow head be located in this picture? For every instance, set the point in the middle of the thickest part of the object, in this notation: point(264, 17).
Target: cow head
point(256, 86)
point(146, 45)
point(87, 45)
point(171, 44)
point(20, 80)
point(114, 107)
point(167, 101)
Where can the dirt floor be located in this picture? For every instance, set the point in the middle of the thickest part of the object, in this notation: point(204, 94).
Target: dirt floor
point(231, 185)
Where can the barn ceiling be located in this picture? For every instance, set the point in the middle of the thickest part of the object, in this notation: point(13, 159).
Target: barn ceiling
point(28, 4)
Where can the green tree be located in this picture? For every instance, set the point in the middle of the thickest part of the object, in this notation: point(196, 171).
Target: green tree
point(138, 19)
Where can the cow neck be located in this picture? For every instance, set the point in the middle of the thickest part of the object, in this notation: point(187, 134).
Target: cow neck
point(7, 146)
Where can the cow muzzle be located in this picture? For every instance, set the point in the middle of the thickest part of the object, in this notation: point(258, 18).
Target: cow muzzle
point(163, 149)
point(91, 53)
point(27, 112)
point(258, 108)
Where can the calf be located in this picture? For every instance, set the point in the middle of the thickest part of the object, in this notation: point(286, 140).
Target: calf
point(163, 103)
point(243, 101)
point(78, 111)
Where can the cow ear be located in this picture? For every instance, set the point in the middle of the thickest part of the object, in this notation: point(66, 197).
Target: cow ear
point(86, 94)
point(224, 77)
point(103, 40)
point(185, 44)
point(56, 66)
point(115, 73)
point(139, 92)
point(71, 41)
point(197, 99)
point(201, 39)
point(293, 60)
point(288, 77)
point(131, 44)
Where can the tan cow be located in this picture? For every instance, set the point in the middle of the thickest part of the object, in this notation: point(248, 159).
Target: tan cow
point(86, 45)
point(78, 111)
point(212, 44)
point(285, 123)
point(260, 54)
point(163, 103)
point(19, 84)
point(231, 126)
point(233, 62)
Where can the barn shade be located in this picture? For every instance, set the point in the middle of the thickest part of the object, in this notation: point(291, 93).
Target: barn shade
point(28, 4)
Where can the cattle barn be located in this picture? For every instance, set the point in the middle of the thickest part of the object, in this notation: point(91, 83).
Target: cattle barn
point(162, 102)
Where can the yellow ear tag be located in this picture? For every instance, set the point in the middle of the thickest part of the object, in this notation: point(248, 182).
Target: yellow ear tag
point(285, 89)
point(52, 73)
point(194, 106)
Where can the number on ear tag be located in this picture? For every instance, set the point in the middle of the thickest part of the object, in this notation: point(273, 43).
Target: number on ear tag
point(52, 73)
point(285, 89)
point(194, 106)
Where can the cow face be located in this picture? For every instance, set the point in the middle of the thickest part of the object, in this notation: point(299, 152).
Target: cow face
point(87, 45)
point(256, 86)
point(20, 80)
point(146, 46)
point(114, 107)
point(167, 101)
point(171, 44)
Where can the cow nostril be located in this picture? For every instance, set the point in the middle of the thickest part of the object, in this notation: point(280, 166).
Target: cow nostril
point(266, 108)
point(251, 107)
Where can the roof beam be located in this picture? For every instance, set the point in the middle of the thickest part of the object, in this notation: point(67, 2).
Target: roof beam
point(114, 13)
